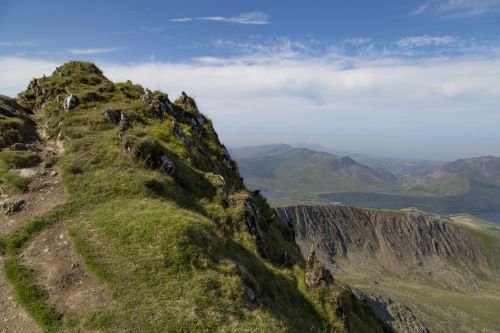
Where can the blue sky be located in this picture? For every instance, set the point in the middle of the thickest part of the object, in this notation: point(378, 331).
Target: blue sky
point(397, 78)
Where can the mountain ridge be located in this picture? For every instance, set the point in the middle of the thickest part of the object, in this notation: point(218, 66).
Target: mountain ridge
point(158, 216)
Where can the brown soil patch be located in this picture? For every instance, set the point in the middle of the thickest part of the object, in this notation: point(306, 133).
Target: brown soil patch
point(60, 271)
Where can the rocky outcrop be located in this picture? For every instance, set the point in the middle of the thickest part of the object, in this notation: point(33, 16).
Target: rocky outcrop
point(252, 220)
point(70, 102)
point(113, 115)
point(157, 108)
point(397, 316)
point(403, 236)
point(315, 270)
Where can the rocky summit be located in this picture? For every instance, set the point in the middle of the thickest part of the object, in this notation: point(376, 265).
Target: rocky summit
point(125, 213)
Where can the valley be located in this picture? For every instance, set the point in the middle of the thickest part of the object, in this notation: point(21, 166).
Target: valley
point(303, 176)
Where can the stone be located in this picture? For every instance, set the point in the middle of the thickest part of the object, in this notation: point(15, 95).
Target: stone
point(27, 172)
point(167, 165)
point(70, 102)
point(14, 206)
point(113, 115)
point(124, 124)
point(315, 270)
point(180, 134)
point(252, 220)
point(158, 107)
point(18, 146)
point(252, 297)
point(53, 173)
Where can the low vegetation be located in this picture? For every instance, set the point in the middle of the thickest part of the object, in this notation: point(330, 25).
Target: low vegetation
point(182, 248)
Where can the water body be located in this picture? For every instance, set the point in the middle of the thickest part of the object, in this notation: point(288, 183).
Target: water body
point(490, 216)
point(274, 194)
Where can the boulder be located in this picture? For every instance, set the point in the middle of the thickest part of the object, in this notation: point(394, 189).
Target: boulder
point(167, 165)
point(70, 102)
point(113, 115)
point(14, 206)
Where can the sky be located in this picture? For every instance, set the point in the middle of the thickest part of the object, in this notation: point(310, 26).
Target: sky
point(401, 78)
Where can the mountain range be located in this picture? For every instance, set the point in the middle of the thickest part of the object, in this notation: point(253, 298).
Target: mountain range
point(289, 174)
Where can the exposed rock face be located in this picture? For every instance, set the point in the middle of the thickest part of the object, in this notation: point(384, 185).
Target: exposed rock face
point(180, 134)
point(167, 165)
point(315, 270)
point(403, 236)
point(398, 316)
point(113, 115)
point(419, 250)
point(158, 108)
point(252, 220)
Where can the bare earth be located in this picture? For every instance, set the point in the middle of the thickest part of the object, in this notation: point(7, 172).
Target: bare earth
point(46, 191)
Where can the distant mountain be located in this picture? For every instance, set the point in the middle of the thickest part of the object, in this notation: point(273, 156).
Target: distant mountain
point(457, 177)
point(400, 167)
point(289, 174)
point(299, 170)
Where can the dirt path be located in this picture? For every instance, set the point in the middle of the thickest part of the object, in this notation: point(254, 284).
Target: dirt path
point(45, 192)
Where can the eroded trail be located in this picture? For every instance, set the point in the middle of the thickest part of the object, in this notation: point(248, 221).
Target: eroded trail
point(45, 191)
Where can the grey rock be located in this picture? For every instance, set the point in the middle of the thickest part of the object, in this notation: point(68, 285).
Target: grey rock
point(113, 115)
point(398, 316)
point(180, 134)
point(315, 270)
point(167, 165)
point(70, 102)
point(14, 206)
point(252, 297)
point(158, 108)
point(252, 220)
point(124, 124)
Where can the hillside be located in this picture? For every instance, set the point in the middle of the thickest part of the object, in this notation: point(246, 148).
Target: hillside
point(291, 176)
point(456, 177)
point(446, 273)
point(300, 170)
point(153, 230)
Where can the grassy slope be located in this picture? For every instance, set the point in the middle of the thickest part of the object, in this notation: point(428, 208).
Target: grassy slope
point(301, 171)
point(174, 255)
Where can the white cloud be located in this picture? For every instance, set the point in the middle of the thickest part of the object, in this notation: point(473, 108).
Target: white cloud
point(459, 8)
point(424, 107)
point(92, 51)
point(17, 44)
point(252, 18)
point(425, 40)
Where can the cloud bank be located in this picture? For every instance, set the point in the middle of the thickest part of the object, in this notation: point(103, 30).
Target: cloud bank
point(430, 107)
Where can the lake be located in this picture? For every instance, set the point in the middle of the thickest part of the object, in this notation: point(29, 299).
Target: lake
point(274, 194)
point(490, 216)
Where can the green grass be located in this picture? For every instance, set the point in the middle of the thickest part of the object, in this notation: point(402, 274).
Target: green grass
point(31, 297)
point(173, 252)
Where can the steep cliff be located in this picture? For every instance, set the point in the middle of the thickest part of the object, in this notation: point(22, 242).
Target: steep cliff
point(397, 253)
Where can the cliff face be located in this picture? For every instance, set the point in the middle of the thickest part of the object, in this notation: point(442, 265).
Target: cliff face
point(400, 238)
point(404, 263)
